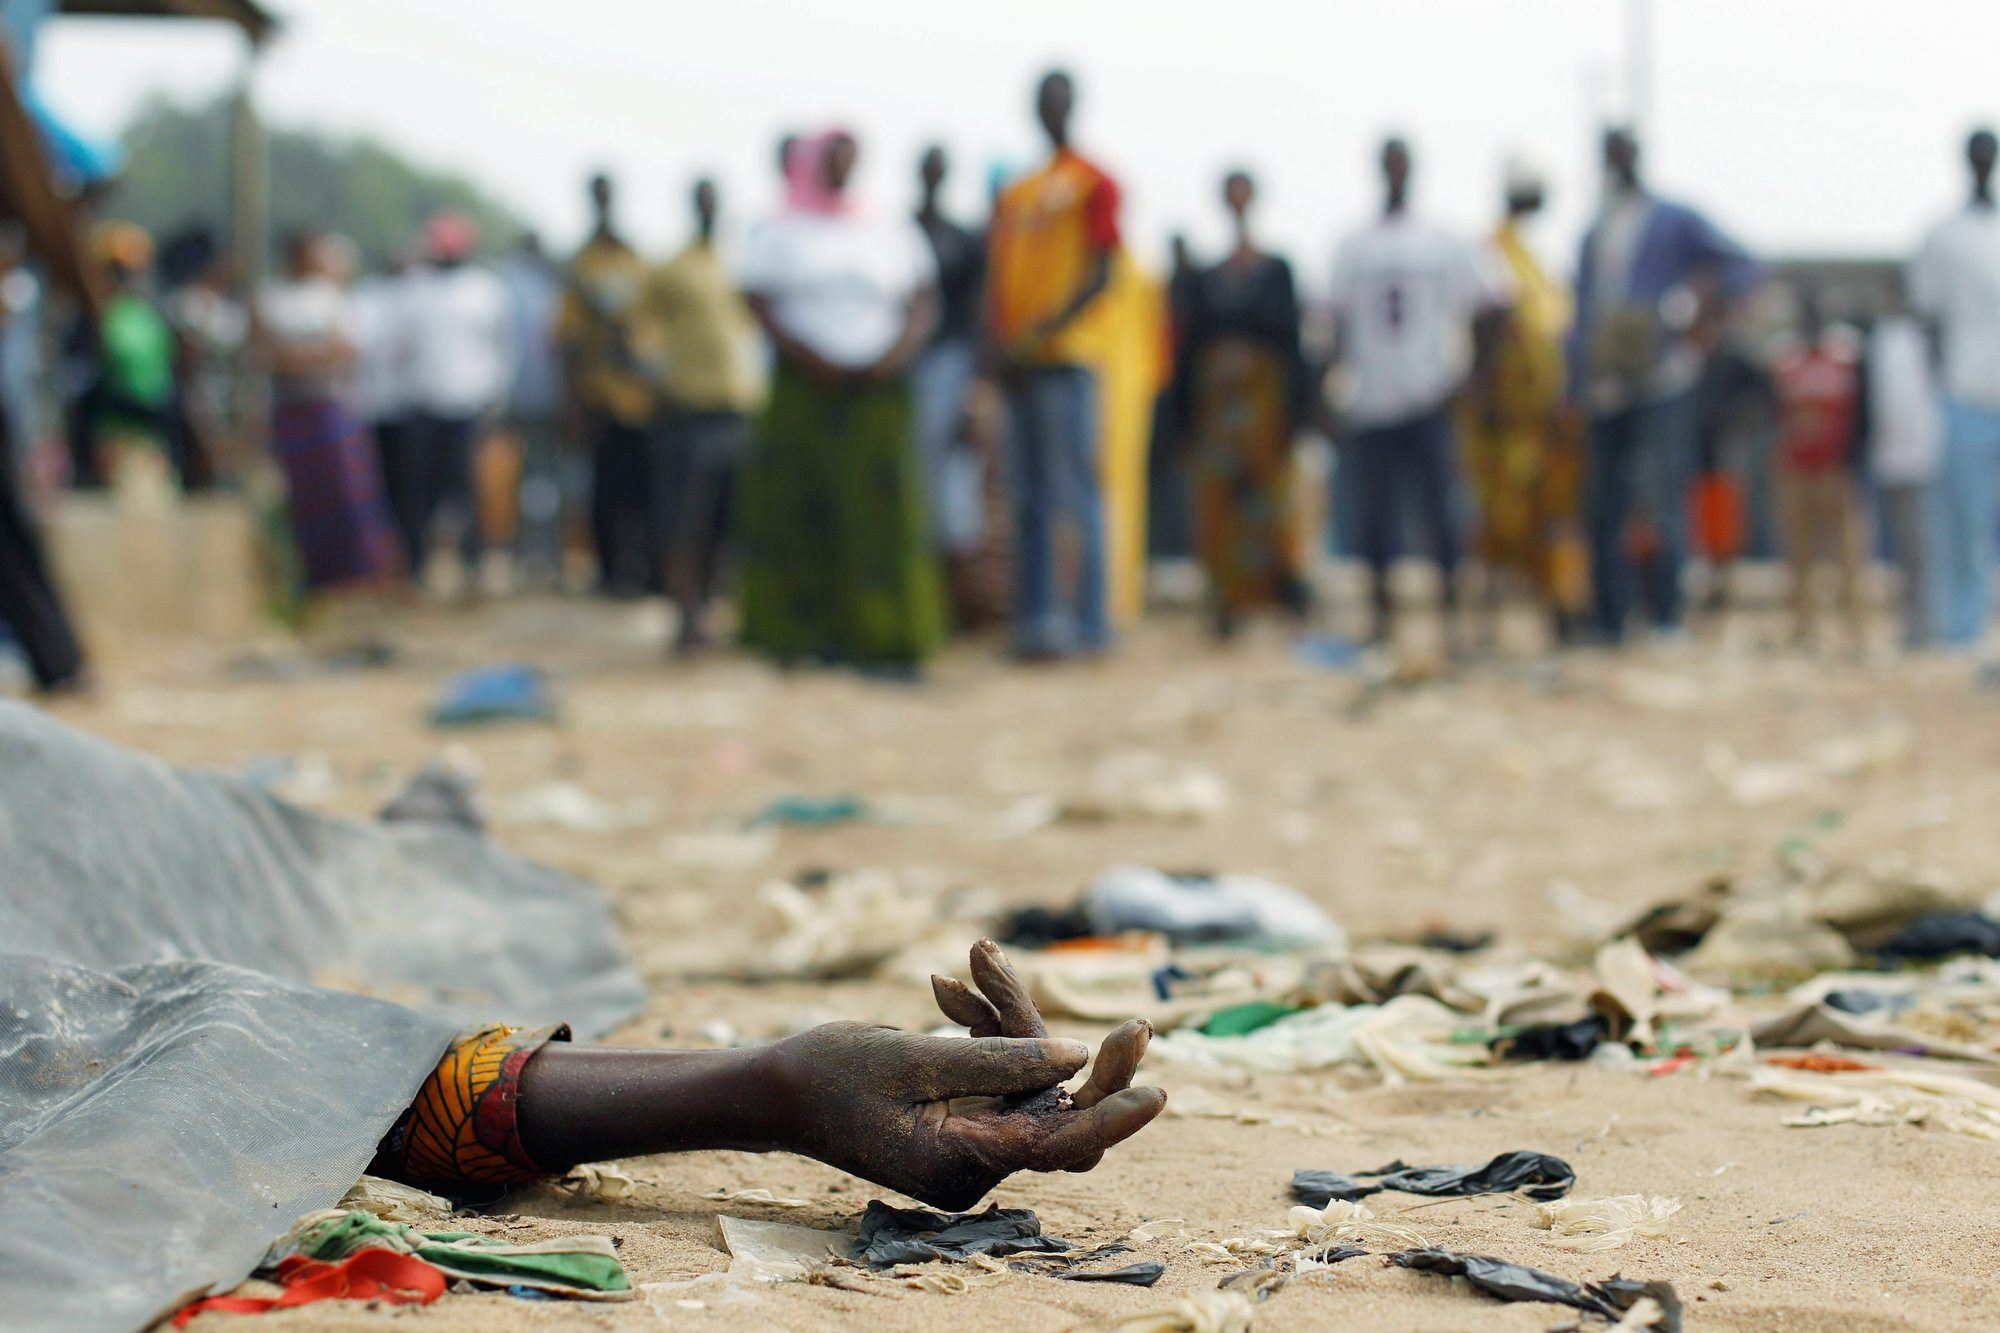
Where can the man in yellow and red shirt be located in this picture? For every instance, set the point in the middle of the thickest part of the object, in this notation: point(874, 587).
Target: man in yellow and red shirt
point(1049, 257)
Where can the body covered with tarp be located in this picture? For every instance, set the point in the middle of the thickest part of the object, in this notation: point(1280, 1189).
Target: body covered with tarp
point(213, 1005)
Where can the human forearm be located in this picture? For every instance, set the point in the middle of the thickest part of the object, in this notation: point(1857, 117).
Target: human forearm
point(592, 1103)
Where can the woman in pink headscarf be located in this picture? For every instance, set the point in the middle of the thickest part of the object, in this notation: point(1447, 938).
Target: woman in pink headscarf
point(838, 566)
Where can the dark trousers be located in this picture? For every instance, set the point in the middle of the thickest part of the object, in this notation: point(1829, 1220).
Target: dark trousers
point(622, 526)
point(427, 468)
point(1403, 465)
point(694, 463)
point(1641, 463)
point(28, 599)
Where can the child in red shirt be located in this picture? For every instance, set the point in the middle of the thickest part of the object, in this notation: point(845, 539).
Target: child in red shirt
point(1820, 519)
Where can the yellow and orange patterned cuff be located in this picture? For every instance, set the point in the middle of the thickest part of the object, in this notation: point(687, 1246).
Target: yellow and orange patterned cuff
point(463, 1129)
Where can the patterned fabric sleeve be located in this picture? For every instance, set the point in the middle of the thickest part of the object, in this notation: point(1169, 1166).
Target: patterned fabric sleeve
point(462, 1129)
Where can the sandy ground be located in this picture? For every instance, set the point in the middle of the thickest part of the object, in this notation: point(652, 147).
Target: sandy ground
point(1458, 803)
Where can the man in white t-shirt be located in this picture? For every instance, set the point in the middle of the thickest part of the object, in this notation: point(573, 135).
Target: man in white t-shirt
point(1409, 299)
point(458, 337)
point(1905, 441)
point(1955, 287)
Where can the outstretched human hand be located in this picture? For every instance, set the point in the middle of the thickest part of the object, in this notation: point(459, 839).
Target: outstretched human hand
point(945, 1119)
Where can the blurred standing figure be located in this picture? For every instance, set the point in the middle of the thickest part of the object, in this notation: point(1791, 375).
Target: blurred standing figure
point(459, 346)
point(1410, 300)
point(1819, 425)
point(29, 604)
point(1653, 283)
point(612, 394)
point(941, 379)
point(309, 333)
point(380, 383)
point(534, 407)
point(1955, 286)
point(704, 333)
point(1241, 386)
point(210, 328)
point(1520, 455)
point(128, 409)
point(838, 566)
point(1048, 260)
point(1905, 433)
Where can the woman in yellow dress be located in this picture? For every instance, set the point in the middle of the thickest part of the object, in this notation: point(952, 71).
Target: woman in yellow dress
point(1521, 458)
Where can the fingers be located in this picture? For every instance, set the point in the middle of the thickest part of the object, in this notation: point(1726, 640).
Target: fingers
point(1085, 1135)
point(966, 1007)
point(1003, 1066)
point(990, 972)
point(1117, 1061)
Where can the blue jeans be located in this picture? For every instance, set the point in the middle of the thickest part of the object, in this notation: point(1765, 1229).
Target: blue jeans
point(1963, 521)
point(1641, 462)
point(939, 384)
point(1052, 418)
point(1390, 469)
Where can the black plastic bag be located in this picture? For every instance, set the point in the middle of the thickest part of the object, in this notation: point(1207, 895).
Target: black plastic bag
point(1555, 1041)
point(1943, 934)
point(1534, 1174)
point(891, 1236)
point(1507, 1281)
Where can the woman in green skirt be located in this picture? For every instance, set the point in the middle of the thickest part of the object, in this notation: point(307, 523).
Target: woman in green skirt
point(838, 565)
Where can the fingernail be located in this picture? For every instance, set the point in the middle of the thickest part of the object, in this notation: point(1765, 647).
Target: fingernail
point(1063, 1048)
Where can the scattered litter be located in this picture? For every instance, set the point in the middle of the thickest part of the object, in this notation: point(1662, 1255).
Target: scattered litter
point(1405, 1039)
point(758, 1195)
point(809, 812)
point(393, 1201)
point(1554, 1041)
point(1886, 1097)
point(1610, 1300)
point(372, 1275)
point(1157, 1228)
point(1772, 940)
point(1329, 652)
point(778, 1251)
point(512, 692)
point(583, 1267)
point(444, 791)
point(1203, 1312)
point(1605, 1224)
point(1812, 1024)
point(1069, 1267)
point(979, 1270)
point(1238, 1019)
point(1197, 908)
point(568, 806)
point(1143, 785)
point(1533, 1175)
point(845, 926)
point(1944, 935)
point(1818, 1063)
point(721, 849)
point(597, 1180)
point(892, 1236)
point(1343, 1220)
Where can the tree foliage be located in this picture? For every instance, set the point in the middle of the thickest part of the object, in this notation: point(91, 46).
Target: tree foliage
point(177, 176)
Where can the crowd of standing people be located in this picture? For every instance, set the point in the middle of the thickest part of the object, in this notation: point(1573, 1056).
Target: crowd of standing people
point(877, 429)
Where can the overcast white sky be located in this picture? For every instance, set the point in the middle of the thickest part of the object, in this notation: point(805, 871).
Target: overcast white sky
point(1805, 125)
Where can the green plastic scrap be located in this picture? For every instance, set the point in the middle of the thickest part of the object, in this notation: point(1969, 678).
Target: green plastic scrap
point(583, 1266)
point(1240, 1019)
